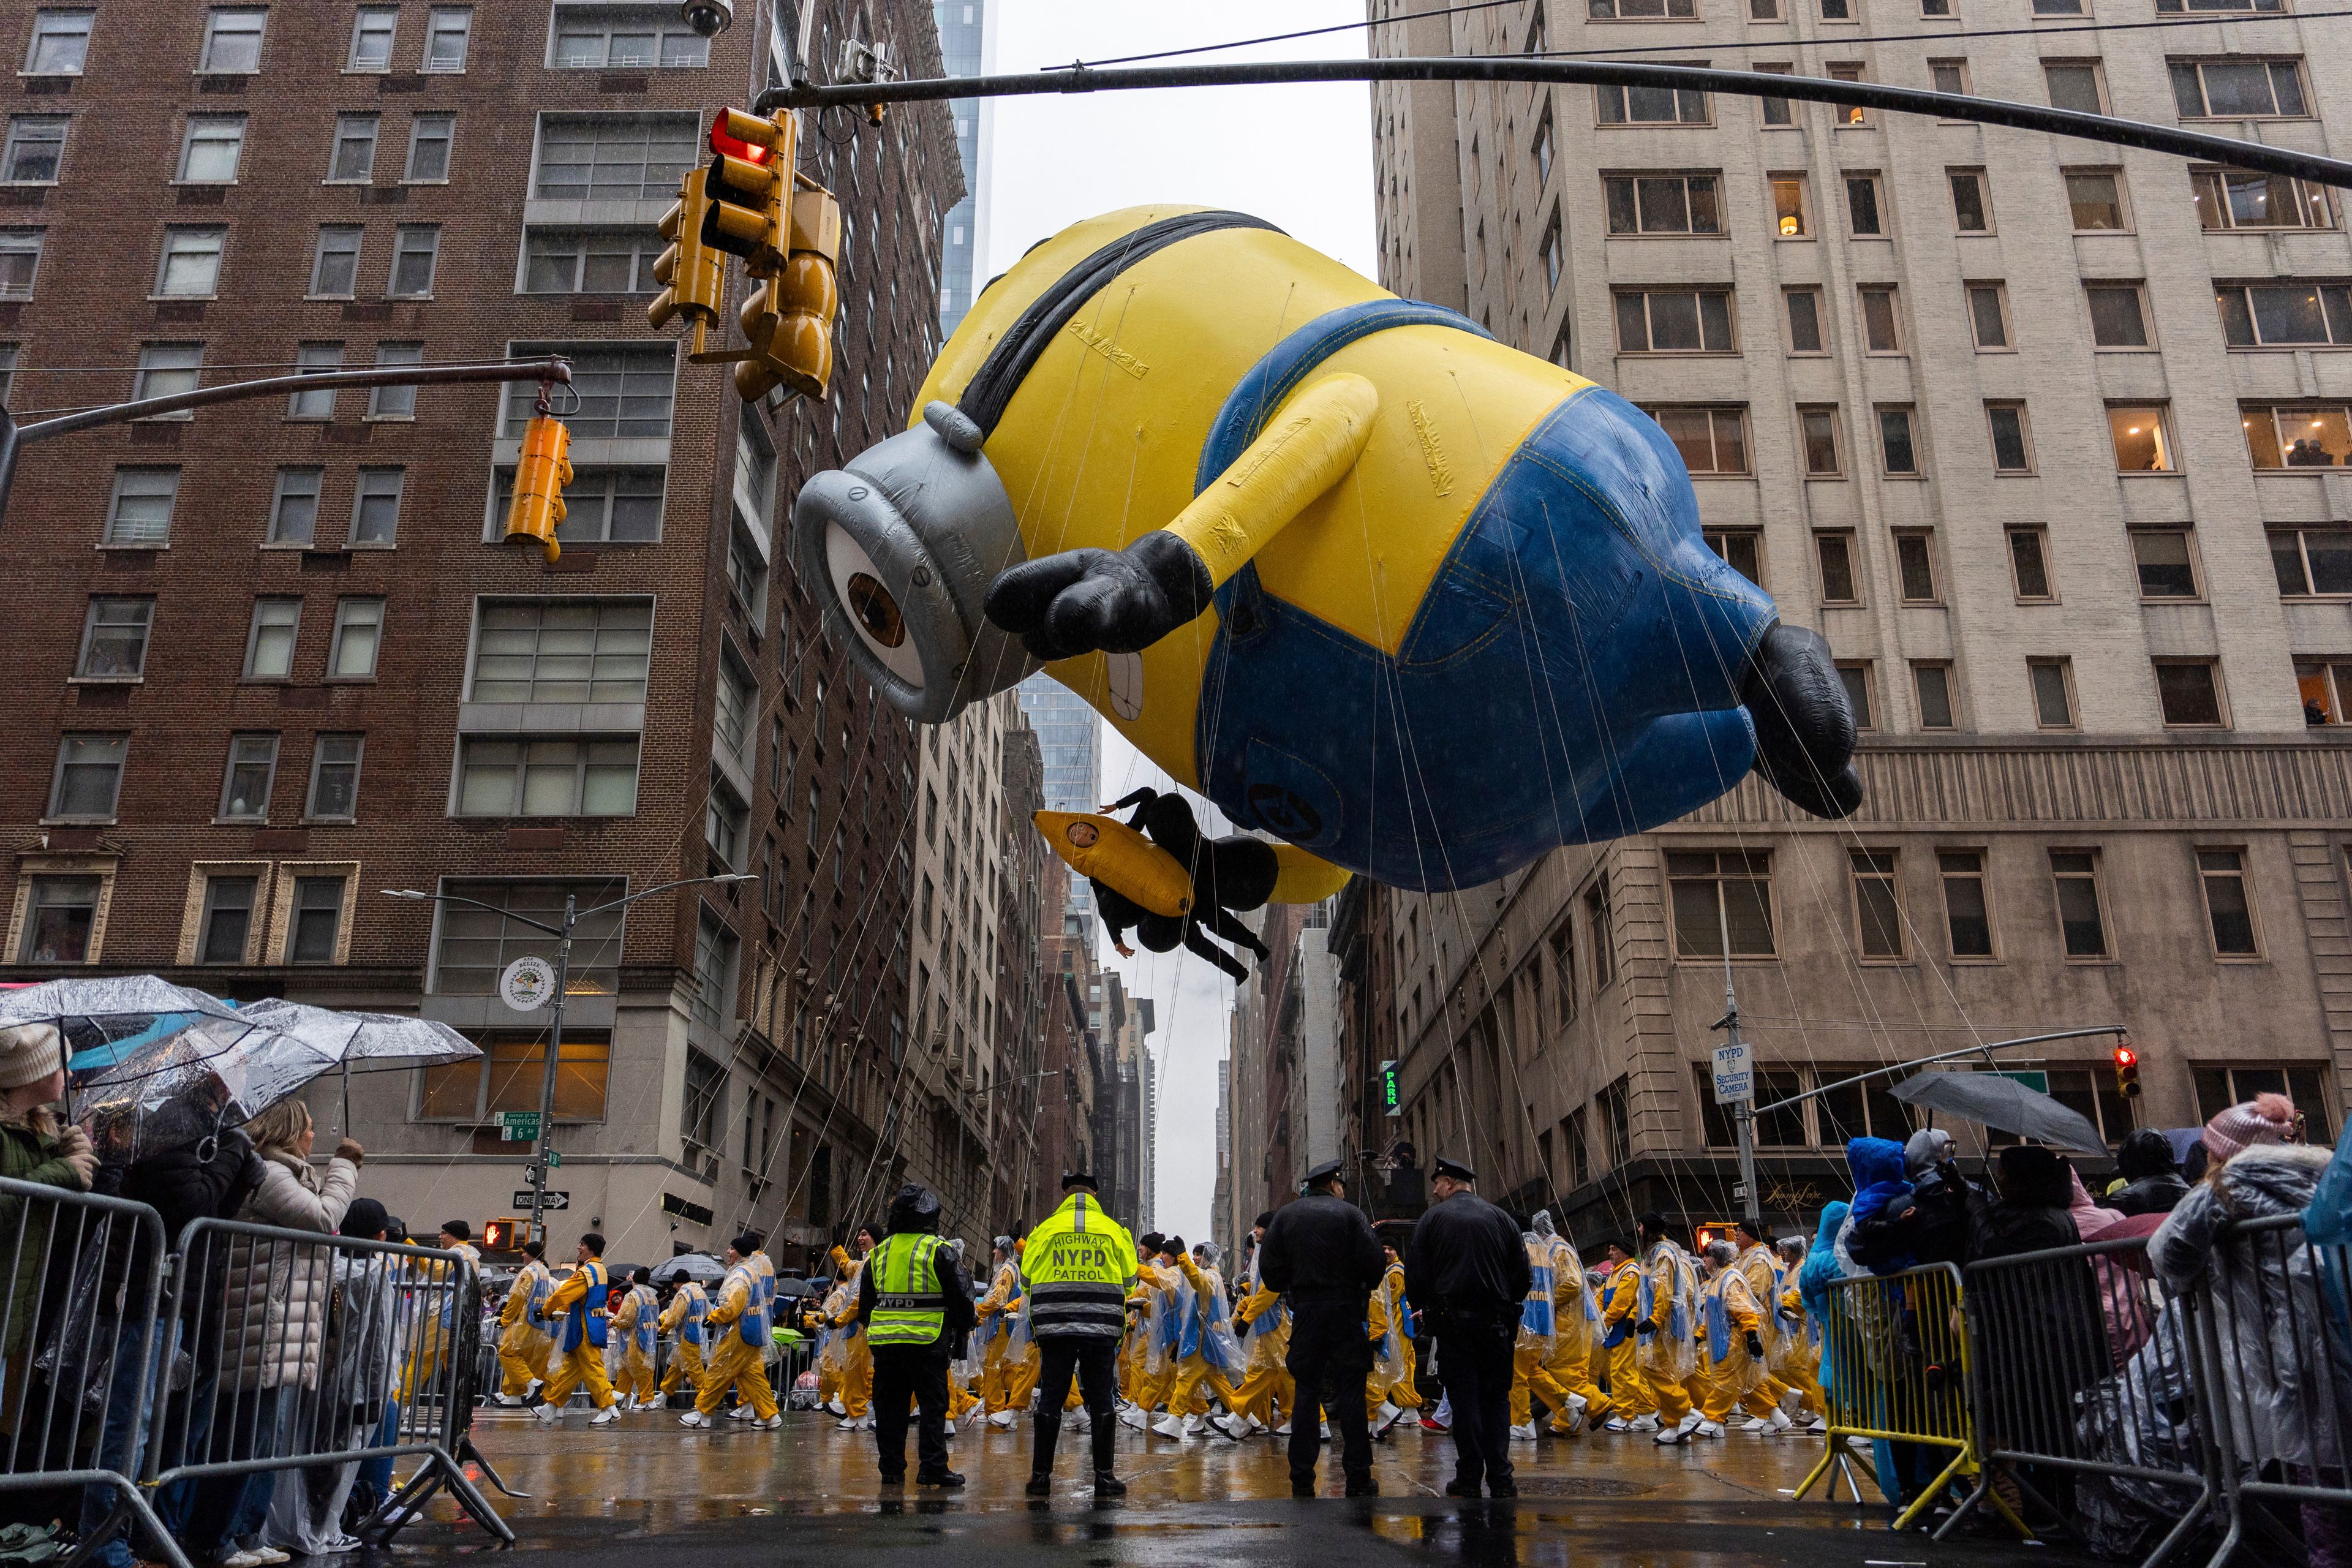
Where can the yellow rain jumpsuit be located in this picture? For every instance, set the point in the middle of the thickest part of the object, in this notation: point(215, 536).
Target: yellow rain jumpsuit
point(1538, 1337)
point(1392, 1364)
point(1156, 1367)
point(1733, 1373)
point(857, 1393)
point(437, 1282)
point(736, 1340)
point(1629, 1391)
point(1195, 1378)
point(1667, 1303)
point(1570, 1360)
point(687, 1310)
point(634, 1323)
point(1800, 1349)
point(1265, 1375)
point(994, 1311)
point(525, 1331)
point(579, 1301)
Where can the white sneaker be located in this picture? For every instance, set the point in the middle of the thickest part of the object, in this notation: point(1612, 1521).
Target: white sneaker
point(836, 1407)
point(1283, 1430)
point(742, 1413)
point(1707, 1429)
point(1757, 1424)
point(1644, 1423)
point(1617, 1423)
point(1081, 1422)
point(1169, 1426)
point(533, 1387)
point(1232, 1427)
point(1572, 1424)
point(1524, 1433)
point(238, 1560)
point(1384, 1418)
point(845, 1424)
point(1690, 1422)
point(1255, 1426)
point(774, 1423)
point(1002, 1421)
point(1779, 1423)
point(866, 1424)
point(1670, 1437)
point(694, 1419)
point(1327, 1431)
point(547, 1413)
point(507, 1399)
point(270, 1554)
point(1791, 1402)
point(606, 1417)
point(1134, 1415)
point(1820, 1423)
point(1193, 1425)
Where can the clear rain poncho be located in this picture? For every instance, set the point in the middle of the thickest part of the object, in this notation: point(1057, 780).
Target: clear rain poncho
point(1670, 1353)
point(1574, 1322)
point(1390, 1366)
point(1725, 1299)
point(1208, 1325)
point(1535, 1331)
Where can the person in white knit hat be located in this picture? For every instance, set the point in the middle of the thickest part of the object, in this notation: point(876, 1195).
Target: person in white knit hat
point(33, 1148)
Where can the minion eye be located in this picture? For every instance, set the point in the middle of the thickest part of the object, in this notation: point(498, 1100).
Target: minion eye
point(876, 611)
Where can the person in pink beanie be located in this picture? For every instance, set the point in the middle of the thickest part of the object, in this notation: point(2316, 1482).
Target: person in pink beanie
point(2265, 1118)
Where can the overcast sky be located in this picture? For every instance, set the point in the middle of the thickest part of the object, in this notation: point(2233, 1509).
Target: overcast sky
point(1299, 157)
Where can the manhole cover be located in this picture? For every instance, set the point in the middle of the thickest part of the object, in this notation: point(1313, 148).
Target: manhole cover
point(1580, 1485)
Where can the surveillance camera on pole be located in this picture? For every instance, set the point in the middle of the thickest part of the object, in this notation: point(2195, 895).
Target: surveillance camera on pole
point(708, 17)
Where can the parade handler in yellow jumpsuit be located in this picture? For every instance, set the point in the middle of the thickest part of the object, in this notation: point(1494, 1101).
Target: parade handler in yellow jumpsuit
point(1666, 1325)
point(997, 1311)
point(634, 1321)
point(1732, 1320)
point(526, 1334)
point(689, 1305)
point(746, 1299)
point(1633, 1408)
point(1801, 1338)
point(857, 1396)
point(1389, 1390)
point(579, 1304)
point(1575, 1316)
point(1757, 1266)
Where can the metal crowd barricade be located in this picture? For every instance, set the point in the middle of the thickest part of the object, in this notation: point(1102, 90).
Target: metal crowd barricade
point(79, 1354)
point(1896, 1366)
point(317, 1353)
point(2085, 1364)
point(2277, 1341)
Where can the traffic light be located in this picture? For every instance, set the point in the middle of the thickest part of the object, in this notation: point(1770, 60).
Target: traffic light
point(692, 275)
point(788, 320)
point(748, 186)
point(2127, 1070)
point(540, 477)
point(503, 1235)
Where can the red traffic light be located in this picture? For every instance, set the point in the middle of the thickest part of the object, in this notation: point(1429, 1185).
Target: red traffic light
point(2126, 1056)
point(735, 146)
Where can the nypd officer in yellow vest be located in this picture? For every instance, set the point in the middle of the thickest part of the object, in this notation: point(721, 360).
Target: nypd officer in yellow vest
point(917, 1308)
point(1080, 1269)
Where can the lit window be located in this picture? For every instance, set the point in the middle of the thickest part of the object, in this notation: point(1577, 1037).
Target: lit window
point(1789, 207)
point(2324, 689)
point(2143, 445)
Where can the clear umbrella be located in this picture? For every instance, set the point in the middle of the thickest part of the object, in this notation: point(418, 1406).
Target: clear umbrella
point(698, 1266)
point(2002, 1103)
point(363, 1042)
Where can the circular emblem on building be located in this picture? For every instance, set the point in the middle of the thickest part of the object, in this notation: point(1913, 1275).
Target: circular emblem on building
point(527, 985)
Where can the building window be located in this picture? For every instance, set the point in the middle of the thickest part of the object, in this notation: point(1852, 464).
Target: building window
point(2229, 913)
point(1711, 440)
point(2029, 565)
point(252, 773)
point(1552, 253)
point(1652, 106)
point(571, 776)
point(590, 261)
point(2312, 563)
point(1600, 920)
point(61, 43)
point(20, 260)
point(114, 639)
point(1775, 110)
point(190, 266)
point(394, 402)
point(552, 650)
point(375, 506)
point(314, 919)
point(1818, 429)
point(1674, 321)
point(269, 643)
point(447, 31)
point(213, 148)
point(2081, 924)
point(1614, 1103)
point(2143, 445)
point(1833, 554)
point(139, 515)
point(335, 264)
point(1717, 894)
point(167, 370)
point(1848, 113)
point(614, 157)
point(2053, 692)
point(2166, 563)
point(88, 778)
point(1968, 912)
point(1659, 203)
point(232, 41)
point(1854, 675)
point(724, 820)
point(1931, 682)
point(2078, 84)
point(2241, 199)
point(1629, 11)
point(334, 779)
point(429, 140)
point(2288, 437)
point(602, 506)
point(472, 945)
point(359, 630)
point(2012, 451)
point(1915, 563)
point(294, 507)
point(1563, 973)
point(1804, 320)
point(1877, 908)
point(626, 37)
point(714, 967)
point(2094, 198)
point(352, 159)
point(621, 392)
point(1865, 214)
point(2310, 1088)
point(1792, 217)
point(36, 145)
point(227, 933)
point(1896, 448)
point(1989, 317)
point(413, 256)
point(372, 34)
point(61, 919)
point(1741, 549)
point(510, 1074)
point(1971, 200)
point(2239, 88)
point(734, 706)
point(2119, 315)
point(2285, 314)
point(2201, 5)
point(2189, 691)
point(1542, 150)
point(312, 359)
point(1880, 331)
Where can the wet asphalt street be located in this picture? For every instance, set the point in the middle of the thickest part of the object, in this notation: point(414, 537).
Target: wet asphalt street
point(608, 1497)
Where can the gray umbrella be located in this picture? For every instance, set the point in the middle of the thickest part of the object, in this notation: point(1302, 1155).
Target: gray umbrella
point(2004, 1103)
point(698, 1266)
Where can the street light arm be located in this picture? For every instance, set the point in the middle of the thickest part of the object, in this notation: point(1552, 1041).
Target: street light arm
point(729, 879)
point(473, 903)
point(549, 369)
point(1986, 1049)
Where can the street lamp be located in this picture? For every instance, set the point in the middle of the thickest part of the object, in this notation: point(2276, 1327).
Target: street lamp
point(572, 916)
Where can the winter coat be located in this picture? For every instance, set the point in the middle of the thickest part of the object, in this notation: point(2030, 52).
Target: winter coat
point(2044, 1332)
point(274, 1312)
point(2267, 1308)
point(28, 1153)
point(208, 1178)
point(2150, 1194)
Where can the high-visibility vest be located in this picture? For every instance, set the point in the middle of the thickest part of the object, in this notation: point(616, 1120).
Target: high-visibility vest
point(910, 1306)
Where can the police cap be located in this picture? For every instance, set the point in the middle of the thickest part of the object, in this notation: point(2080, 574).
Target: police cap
point(1446, 1166)
point(1322, 1173)
point(1072, 1179)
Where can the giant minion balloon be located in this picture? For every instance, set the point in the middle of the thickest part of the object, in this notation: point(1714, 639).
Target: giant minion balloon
point(1420, 604)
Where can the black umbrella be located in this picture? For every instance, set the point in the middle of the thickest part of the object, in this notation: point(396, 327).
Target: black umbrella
point(698, 1266)
point(2001, 1102)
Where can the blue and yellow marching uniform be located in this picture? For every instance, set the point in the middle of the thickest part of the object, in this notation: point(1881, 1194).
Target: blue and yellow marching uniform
point(580, 1348)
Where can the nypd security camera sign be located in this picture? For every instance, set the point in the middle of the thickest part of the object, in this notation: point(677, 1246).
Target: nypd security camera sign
point(1734, 1079)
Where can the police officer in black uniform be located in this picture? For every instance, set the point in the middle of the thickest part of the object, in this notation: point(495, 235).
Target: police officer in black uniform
point(1320, 1253)
point(1467, 1269)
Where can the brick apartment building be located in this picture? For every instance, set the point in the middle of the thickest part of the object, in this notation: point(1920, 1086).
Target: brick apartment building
point(272, 658)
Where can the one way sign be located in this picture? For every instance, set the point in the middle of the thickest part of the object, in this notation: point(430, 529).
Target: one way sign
point(554, 1200)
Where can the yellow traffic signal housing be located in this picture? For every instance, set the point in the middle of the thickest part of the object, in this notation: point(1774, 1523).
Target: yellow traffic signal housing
point(746, 186)
point(540, 477)
point(788, 320)
point(693, 276)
